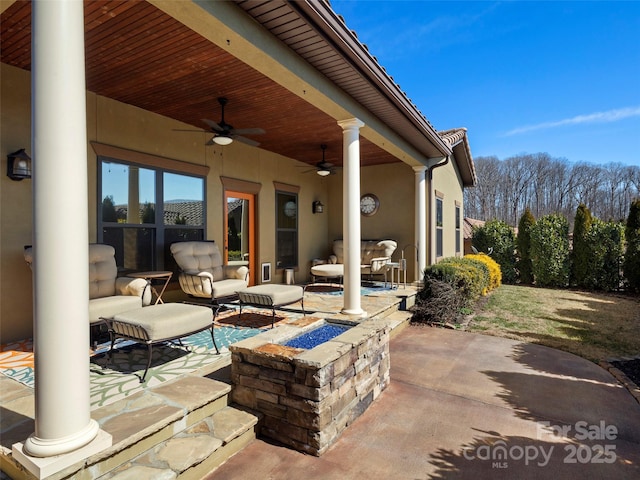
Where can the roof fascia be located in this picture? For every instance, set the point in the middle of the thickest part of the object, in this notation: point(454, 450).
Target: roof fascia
point(326, 20)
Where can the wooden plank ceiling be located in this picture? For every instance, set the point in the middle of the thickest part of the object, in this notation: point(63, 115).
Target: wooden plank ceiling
point(138, 55)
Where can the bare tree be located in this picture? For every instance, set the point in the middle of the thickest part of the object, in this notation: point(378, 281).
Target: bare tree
point(549, 185)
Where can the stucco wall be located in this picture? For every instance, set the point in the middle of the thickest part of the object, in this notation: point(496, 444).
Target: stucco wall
point(127, 127)
point(15, 207)
point(447, 180)
point(393, 184)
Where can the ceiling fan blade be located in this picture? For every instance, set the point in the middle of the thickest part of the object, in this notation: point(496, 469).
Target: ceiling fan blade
point(213, 125)
point(248, 131)
point(245, 140)
point(211, 142)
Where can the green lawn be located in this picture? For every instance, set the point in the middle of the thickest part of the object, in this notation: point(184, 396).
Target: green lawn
point(592, 325)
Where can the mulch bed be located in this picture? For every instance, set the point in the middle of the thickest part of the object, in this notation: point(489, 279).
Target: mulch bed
point(631, 368)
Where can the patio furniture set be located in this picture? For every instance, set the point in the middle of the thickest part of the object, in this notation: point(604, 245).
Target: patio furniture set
point(123, 304)
point(375, 259)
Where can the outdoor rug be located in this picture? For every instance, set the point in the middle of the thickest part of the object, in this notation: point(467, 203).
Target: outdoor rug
point(255, 319)
point(370, 288)
point(118, 376)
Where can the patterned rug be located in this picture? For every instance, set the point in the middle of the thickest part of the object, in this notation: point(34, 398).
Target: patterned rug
point(114, 378)
point(337, 289)
point(254, 318)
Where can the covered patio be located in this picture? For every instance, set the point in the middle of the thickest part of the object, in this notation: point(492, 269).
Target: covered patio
point(100, 84)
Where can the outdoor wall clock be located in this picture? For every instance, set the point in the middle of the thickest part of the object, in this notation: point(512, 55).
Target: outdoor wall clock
point(369, 204)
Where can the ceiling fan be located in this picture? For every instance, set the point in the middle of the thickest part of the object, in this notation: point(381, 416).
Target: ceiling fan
point(224, 133)
point(323, 168)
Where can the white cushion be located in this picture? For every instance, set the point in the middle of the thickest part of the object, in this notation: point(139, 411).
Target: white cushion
point(369, 249)
point(271, 294)
point(229, 287)
point(198, 257)
point(107, 307)
point(102, 270)
point(328, 270)
point(169, 320)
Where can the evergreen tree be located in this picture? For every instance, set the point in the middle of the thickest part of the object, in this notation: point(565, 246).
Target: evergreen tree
point(109, 213)
point(550, 251)
point(497, 239)
point(631, 265)
point(524, 247)
point(606, 240)
point(582, 253)
point(148, 213)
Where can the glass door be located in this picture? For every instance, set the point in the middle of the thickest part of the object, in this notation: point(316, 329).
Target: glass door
point(239, 248)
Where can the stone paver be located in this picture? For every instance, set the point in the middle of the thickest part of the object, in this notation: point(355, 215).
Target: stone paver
point(229, 423)
point(146, 473)
point(191, 392)
point(183, 452)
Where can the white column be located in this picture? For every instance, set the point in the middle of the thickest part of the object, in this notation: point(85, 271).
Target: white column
point(351, 215)
point(420, 221)
point(61, 275)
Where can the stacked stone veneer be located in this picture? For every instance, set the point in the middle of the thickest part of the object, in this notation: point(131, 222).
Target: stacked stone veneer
point(308, 397)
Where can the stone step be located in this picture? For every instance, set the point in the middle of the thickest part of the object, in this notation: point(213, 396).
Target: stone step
point(398, 320)
point(194, 452)
point(150, 418)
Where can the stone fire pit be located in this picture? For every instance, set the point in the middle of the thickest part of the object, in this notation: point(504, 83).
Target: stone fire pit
point(309, 397)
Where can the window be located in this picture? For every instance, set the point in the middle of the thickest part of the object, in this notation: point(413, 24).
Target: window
point(286, 229)
point(439, 228)
point(458, 235)
point(143, 210)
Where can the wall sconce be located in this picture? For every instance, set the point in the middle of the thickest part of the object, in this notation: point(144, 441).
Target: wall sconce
point(18, 165)
point(317, 207)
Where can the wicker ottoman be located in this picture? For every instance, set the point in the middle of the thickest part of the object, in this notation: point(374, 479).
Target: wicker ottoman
point(160, 323)
point(271, 296)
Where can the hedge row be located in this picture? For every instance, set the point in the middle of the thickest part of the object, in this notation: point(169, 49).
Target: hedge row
point(603, 256)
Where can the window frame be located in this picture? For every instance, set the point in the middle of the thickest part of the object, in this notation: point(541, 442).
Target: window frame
point(159, 258)
point(458, 228)
point(439, 225)
point(292, 191)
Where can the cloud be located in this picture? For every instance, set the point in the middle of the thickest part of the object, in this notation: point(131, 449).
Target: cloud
point(598, 117)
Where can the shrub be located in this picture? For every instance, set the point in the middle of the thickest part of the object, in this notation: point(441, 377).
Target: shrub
point(606, 247)
point(550, 251)
point(498, 238)
point(523, 244)
point(581, 255)
point(451, 285)
point(631, 266)
point(476, 277)
point(470, 278)
point(495, 275)
point(439, 303)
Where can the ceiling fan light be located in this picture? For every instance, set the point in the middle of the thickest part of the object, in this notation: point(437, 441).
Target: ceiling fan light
point(222, 140)
point(324, 172)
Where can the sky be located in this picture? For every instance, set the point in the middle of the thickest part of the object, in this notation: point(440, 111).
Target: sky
point(523, 77)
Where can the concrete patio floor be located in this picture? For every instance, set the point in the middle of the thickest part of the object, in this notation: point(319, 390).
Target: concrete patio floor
point(464, 405)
